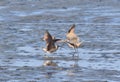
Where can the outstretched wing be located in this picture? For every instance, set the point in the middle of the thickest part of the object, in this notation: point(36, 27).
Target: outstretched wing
point(47, 37)
point(71, 36)
point(57, 40)
point(72, 28)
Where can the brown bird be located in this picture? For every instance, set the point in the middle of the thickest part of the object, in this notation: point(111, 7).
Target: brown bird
point(72, 38)
point(50, 43)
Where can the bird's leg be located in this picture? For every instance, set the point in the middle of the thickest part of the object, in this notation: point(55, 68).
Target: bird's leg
point(76, 54)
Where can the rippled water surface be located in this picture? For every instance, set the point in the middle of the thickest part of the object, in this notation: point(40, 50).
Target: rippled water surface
point(22, 26)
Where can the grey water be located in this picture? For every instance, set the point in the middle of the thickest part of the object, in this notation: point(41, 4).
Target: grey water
point(22, 26)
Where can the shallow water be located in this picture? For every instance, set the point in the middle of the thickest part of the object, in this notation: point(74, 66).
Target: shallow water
point(22, 26)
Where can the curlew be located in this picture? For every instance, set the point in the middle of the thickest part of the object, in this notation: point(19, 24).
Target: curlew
point(72, 38)
point(50, 43)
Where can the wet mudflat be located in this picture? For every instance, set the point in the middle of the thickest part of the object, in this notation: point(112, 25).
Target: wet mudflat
point(22, 26)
